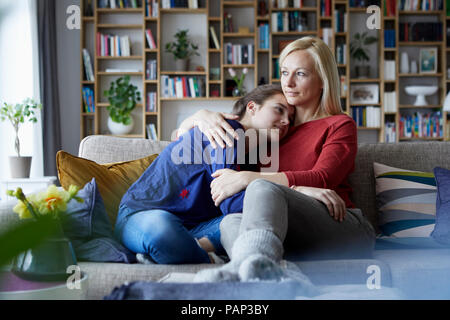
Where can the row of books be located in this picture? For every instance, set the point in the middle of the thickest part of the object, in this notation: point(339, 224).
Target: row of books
point(263, 36)
point(113, 46)
point(421, 125)
point(282, 4)
point(363, 3)
point(420, 31)
point(276, 69)
point(88, 70)
point(88, 99)
point(151, 8)
point(119, 4)
point(367, 116)
point(288, 21)
point(389, 7)
point(239, 53)
point(151, 71)
point(151, 131)
point(325, 8)
point(389, 132)
point(341, 20)
point(341, 57)
point(389, 38)
point(390, 101)
point(182, 87)
point(327, 36)
point(151, 43)
point(191, 4)
point(150, 103)
point(421, 5)
point(389, 69)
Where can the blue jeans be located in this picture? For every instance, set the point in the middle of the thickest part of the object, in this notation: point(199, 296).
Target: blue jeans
point(162, 235)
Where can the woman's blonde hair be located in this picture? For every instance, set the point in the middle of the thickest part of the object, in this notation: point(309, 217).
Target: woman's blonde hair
point(326, 68)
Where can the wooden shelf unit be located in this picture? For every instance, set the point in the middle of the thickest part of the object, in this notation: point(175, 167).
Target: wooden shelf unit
point(264, 59)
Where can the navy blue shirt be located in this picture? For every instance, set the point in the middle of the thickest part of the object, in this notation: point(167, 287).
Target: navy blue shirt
point(179, 181)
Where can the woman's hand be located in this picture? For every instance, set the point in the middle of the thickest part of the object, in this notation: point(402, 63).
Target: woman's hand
point(213, 126)
point(335, 204)
point(228, 182)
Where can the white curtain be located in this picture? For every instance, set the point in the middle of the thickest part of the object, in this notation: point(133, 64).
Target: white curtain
point(19, 79)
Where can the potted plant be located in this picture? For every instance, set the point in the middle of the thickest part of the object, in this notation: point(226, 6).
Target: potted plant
point(239, 89)
point(359, 52)
point(182, 49)
point(18, 114)
point(122, 97)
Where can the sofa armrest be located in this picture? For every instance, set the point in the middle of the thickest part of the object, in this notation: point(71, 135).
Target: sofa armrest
point(107, 149)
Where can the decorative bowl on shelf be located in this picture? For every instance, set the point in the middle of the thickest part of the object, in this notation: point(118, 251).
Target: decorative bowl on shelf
point(421, 92)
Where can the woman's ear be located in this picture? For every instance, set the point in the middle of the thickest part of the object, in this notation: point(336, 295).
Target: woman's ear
point(251, 108)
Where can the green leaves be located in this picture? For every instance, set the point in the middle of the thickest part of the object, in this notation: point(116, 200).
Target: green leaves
point(19, 113)
point(358, 48)
point(122, 97)
point(182, 48)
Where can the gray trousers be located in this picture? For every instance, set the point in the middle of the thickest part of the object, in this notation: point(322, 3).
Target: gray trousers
point(302, 223)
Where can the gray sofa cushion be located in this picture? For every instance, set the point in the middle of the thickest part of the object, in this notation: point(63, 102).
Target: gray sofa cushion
point(419, 273)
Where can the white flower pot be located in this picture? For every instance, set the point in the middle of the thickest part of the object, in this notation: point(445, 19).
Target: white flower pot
point(119, 128)
point(20, 167)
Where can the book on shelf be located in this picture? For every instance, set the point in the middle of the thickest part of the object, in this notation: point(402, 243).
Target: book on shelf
point(389, 70)
point(341, 57)
point(327, 36)
point(193, 4)
point(151, 131)
point(420, 31)
point(168, 4)
point(389, 8)
point(151, 104)
point(88, 99)
point(367, 116)
point(417, 5)
point(151, 71)
point(421, 125)
point(389, 38)
point(88, 70)
point(343, 85)
point(227, 22)
point(214, 37)
point(325, 8)
point(150, 39)
point(239, 53)
point(389, 132)
point(151, 8)
point(390, 101)
point(113, 46)
point(263, 36)
point(340, 20)
point(182, 87)
point(119, 4)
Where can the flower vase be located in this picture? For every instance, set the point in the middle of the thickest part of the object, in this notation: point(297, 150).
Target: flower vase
point(238, 92)
point(48, 261)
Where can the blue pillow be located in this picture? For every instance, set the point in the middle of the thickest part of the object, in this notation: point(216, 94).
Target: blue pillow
point(441, 232)
point(87, 225)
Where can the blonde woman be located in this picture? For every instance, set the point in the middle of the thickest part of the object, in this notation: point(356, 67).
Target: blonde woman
point(306, 205)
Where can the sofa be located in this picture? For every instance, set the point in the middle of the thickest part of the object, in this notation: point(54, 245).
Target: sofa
point(418, 272)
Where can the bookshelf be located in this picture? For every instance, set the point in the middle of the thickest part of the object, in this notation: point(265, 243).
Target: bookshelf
point(267, 28)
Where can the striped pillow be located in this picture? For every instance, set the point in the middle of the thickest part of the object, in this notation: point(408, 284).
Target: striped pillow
point(406, 201)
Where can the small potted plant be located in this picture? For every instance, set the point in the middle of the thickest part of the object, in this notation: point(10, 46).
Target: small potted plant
point(182, 49)
point(18, 114)
point(239, 89)
point(123, 97)
point(359, 52)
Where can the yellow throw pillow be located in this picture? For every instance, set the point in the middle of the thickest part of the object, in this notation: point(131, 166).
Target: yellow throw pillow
point(113, 179)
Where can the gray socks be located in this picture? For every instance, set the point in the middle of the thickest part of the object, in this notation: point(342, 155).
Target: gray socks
point(256, 255)
point(258, 241)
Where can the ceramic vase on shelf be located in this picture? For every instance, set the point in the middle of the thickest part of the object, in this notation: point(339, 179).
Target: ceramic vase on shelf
point(404, 65)
point(120, 128)
point(413, 66)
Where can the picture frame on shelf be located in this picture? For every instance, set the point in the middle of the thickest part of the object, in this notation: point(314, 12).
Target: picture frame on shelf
point(364, 93)
point(428, 60)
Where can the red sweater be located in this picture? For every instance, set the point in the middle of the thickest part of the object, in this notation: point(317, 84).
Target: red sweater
point(321, 153)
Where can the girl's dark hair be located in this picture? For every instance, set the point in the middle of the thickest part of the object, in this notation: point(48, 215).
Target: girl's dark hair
point(258, 95)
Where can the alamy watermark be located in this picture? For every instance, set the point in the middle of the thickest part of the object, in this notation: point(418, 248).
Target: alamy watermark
point(192, 150)
point(374, 280)
point(74, 280)
point(73, 21)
